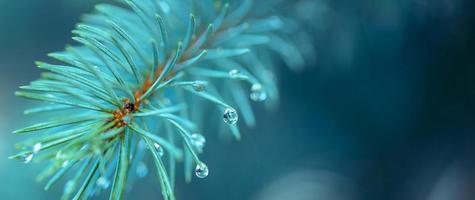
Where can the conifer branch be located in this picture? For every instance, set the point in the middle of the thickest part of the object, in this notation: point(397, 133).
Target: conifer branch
point(132, 84)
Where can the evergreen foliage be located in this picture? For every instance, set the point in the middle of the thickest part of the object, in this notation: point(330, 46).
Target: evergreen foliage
point(140, 82)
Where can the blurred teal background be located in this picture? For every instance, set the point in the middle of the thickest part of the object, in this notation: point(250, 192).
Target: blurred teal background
point(386, 111)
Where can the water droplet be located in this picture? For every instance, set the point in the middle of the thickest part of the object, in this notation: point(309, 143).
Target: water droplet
point(142, 169)
point(230, 116)
point(37, 148)
point(201, 170)
point(199, 86)
point(25, 158)
point(234, 73)
point(258, 93)
point(159, 149)
point(198, 140)
point(102, 182)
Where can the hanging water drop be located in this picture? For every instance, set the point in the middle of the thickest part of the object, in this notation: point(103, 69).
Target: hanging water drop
point(199, 86)
point(234, 73)
point(201, 170)
point(142, 169)
point(258, 93)
point(37, 148)
point(159, 149)
point(230, 116)
point(198, 140)
point(102, 182)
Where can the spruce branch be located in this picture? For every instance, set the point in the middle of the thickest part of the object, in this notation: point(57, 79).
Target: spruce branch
point(134, 84)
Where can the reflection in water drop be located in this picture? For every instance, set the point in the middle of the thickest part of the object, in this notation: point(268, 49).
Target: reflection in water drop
point(199, 86)
point(230, 116)
point(201, 170)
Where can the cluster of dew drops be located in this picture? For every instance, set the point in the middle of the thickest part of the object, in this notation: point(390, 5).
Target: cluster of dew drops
point(230, 117)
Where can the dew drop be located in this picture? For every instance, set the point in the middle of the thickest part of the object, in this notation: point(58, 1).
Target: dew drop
point(234, 73)
point(159, 149)
point(199, 86)
point(230, 116)
point(258, 93)
point(198, 140)
point(201, 170)
point(37, 148)
point(142, 169)
point(25, 158)
point(102, 182)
